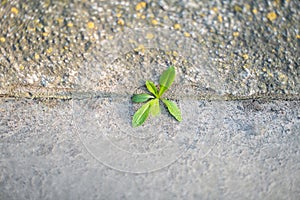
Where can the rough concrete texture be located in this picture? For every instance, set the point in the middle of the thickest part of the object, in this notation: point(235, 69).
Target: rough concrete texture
point(69, 68)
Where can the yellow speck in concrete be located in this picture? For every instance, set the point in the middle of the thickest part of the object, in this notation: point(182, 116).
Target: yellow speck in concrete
point(283, 78)
point(177, 26)
point(90, 25)
point(140, 6)
point(36, 56)
point(245, 67)
point(138, 15)
point(298, 36)
point(110, 37)
point(277, 2)
point(2, 39)
point(45, 34)
point(60, 20)
point(40, 25)
point(236, 34)
point(245, 56)
point(149, 36)
point(215, 9)
point(254, 11)
point(220, 18)
point(140, 48)
point(166, 17)
point(271, 16)
point(264, 69)
point(21, 67)
point(247, 6)
point(143, 17)
point(151, 16)
point(175, 53)
point(49, 50)
point(187, 34)
point(281, 75)
point(119, 15)
point(14, 10)
point(121, 22)
point(237, 8)
point(30, 29)
point(270, 74)
point(70, 24)
point(131, 41)
point(154, 22)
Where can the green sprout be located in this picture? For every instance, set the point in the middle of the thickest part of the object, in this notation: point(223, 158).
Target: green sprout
point(152, 100)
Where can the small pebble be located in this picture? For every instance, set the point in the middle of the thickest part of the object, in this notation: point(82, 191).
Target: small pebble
point(154, 22)
point(271, 16)
point(140, 6)
point(14, 10)
point(2, 39)
point(177, 26)
point(90, 25)
point(121, 22)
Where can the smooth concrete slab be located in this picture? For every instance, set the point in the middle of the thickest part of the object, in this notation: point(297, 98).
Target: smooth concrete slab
point(72, 150)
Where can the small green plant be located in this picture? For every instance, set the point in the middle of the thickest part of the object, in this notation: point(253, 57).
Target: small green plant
point(152, 100)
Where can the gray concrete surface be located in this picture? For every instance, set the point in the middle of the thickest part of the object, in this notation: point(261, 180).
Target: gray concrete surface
point(252, 154)
point(69, 68)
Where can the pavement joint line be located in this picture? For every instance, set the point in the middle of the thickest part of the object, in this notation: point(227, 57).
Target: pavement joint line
point(99, 94)
point(35, 92)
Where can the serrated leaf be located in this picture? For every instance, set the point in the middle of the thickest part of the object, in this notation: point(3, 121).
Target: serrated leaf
point(155, 109)
point(141, 115)
point(166, 79)
point(152, 88)
point(138, 98)
point(173, 109)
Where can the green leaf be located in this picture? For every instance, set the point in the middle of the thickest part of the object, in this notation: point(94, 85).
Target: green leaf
point(141, 115)
point(173, 109)
point(155, 109)
point(138, 98)
point(166, 79)
point(152, 88)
